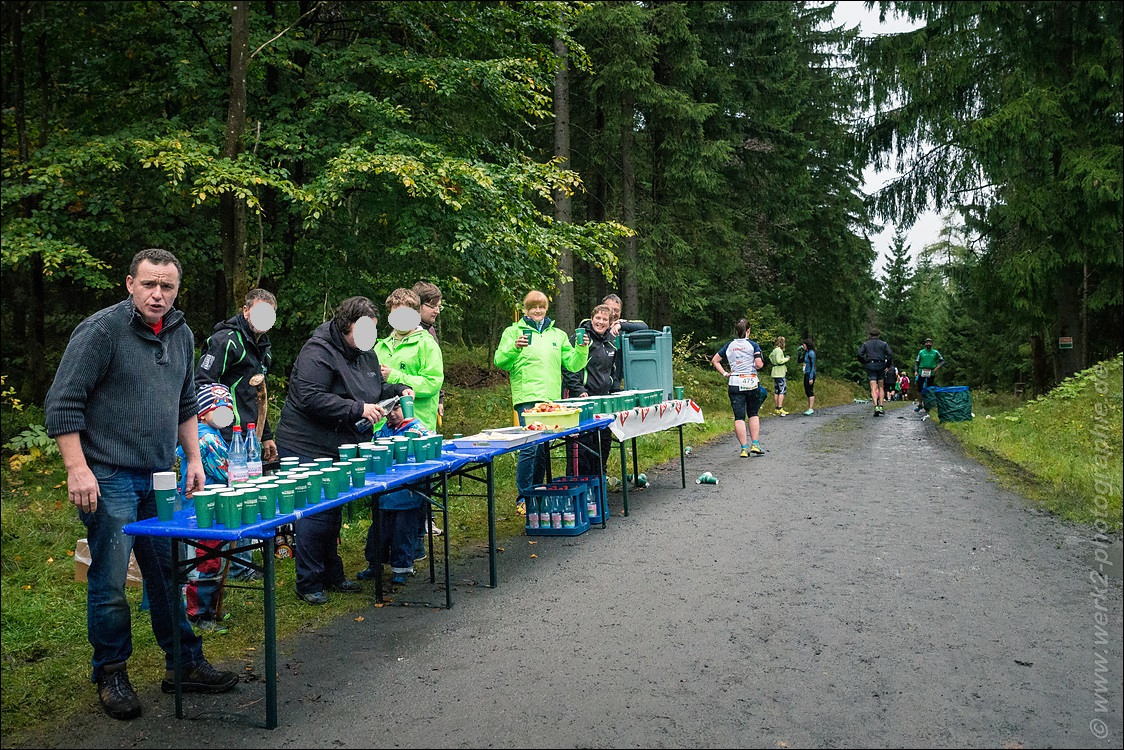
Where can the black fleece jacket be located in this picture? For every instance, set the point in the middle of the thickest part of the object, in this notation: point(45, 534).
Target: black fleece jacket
point(328, 386)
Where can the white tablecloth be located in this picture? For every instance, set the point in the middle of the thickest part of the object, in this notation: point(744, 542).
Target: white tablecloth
point(643, 420)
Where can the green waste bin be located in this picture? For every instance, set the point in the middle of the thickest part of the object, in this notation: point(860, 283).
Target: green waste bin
point(953, 403)
point(647, 361)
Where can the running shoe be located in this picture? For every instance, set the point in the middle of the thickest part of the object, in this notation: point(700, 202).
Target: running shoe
point(755, 449)
point(744, 453)
point(809, 413)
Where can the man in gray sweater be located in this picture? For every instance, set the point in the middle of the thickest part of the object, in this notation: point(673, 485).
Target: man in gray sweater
point(123, 394)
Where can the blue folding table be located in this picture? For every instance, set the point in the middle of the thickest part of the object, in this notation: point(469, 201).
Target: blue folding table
point(183, 527)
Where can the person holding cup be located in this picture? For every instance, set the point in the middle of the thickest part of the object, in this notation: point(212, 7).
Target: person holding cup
point(600, 377)
point(400, 513)
point(534, 352)
point(412, 356)
point(335, 382)
point(122, 396)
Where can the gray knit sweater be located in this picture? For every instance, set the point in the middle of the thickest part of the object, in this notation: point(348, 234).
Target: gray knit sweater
point(125, 389)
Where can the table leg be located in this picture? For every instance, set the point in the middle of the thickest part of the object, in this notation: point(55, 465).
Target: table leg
point(177, 616)
point(376, 523)
point(682, 460)
point(448, 531)
point(635, 466)
point(491, 525)
point(270, 600)
point(624, 479)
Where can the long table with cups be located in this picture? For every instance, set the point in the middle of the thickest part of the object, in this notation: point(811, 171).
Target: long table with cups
point(452, 462)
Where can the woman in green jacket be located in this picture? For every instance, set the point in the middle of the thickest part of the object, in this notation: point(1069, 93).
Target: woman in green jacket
point(534, 352)
point(779, 374)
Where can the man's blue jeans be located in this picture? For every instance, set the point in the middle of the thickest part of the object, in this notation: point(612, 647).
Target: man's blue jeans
point(531, 467)
point(125, 495)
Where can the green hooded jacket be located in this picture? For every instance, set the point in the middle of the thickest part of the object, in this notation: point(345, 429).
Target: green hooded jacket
point(536, 370)
point(416, 362)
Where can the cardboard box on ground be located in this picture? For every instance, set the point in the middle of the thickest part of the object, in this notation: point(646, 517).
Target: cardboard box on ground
point(82, 564)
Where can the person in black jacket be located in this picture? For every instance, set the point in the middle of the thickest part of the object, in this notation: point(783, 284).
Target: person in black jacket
point(600, 377)
point(335, 382)
point(237, 350)
point(876, 356)
point(617, 326)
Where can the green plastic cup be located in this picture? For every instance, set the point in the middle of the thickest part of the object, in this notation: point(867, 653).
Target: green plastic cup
point(300, 489)
point(381, 455)
point(205, 508)
point(401, 451)
point(579, 336)
point(678, 393)
point(359, 471)
point(419, 449)
point(407, 404)
point(348, 450)
point(436, 443)
point(286, 496)
point(323, 463)
point(331, 482)
point(315, 492)
point(250, 504)
point(268, 495)
point(165, 504)
point(164, 487)
point(343, 479)
point(367, 451)
point(230, 504)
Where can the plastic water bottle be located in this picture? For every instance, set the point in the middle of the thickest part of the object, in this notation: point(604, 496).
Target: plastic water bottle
point(532, 513)
point(253, 451)
point(387, 404)
point(237, 469)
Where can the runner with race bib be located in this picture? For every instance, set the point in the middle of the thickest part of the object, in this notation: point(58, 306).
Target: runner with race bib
point(929, 360)
point(743, 358)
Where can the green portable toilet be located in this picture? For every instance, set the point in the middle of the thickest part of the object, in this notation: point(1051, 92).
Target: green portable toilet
point(954, 403)
point(647, 361)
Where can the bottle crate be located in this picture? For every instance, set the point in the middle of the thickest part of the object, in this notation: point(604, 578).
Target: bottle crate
point(596, 498)
point(566, 509)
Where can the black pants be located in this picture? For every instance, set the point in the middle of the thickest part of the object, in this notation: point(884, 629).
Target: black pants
point(316, 550)
point(588, 462)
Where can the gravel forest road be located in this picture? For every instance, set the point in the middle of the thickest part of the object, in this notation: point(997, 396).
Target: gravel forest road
point(863, 584)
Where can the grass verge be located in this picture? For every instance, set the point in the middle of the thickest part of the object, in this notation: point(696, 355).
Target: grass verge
point(45, 654)
point(1063, 450)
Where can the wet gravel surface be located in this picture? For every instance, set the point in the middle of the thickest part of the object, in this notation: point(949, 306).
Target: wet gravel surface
point(863, 584)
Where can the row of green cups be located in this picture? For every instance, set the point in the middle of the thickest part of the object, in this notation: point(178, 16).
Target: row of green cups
point(264, 498)
point(298, 484)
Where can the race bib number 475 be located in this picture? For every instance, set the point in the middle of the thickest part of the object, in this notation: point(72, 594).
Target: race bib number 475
point(743, 382)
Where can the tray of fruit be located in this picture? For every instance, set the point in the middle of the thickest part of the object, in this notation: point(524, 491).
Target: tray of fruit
point(552, 416)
